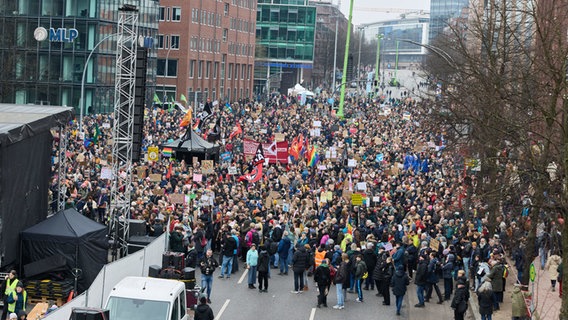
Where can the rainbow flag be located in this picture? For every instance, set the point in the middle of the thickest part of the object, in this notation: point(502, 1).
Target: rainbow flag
point(313, 156)
point(167, 152)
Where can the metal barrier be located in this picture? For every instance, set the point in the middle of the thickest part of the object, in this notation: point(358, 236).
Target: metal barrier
point(135, 264)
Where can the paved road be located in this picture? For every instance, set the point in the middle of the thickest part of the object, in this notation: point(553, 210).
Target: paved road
point(237, 302)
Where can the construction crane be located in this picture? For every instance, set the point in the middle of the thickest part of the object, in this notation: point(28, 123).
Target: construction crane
point(403, 12)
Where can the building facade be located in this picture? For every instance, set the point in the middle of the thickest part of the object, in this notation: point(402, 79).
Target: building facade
point(441, 12)
point(50, 72)
point(329, 48)
point(285, 38)
point(206, 50)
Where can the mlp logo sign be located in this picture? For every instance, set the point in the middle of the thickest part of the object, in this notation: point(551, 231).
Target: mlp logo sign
point(56, 35)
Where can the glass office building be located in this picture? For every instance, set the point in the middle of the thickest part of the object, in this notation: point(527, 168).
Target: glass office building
point(285, 38)
point(50, 72)
point(441, 12)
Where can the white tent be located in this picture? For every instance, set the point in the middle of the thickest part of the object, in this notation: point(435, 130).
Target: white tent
point(298, 90)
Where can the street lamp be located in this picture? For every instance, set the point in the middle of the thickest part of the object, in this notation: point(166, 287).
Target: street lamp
point(82, 98)
point(166, 74)
point(335, 53)
point(378, 63)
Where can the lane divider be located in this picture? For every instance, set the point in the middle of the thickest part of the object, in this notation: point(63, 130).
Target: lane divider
point(222, 309)
point(243, 276)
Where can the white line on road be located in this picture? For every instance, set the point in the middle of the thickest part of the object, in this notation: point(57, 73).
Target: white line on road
point(313, 314)
point(220, 313)
point(243, 276)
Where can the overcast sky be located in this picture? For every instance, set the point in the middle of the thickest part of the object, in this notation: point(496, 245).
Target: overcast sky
point(362, 14)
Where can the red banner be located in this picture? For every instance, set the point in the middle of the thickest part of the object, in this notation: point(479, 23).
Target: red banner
point(274, 152)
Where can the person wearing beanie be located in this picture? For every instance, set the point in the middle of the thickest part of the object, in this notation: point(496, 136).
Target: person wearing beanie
point(459, 303)
point(13, 316)
point(399, 282)
point(18, 299)
point(203, 311)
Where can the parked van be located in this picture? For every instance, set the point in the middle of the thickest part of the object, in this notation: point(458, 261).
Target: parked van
point(148, 299)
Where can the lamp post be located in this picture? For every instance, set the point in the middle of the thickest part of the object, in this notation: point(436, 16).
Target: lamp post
point(335, 54)
point(378, 63)
point(165, 75)
point(345, 59)
point(82, 98)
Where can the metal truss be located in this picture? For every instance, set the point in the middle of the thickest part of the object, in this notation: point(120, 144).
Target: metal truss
point(61, 174)
point(123, 128)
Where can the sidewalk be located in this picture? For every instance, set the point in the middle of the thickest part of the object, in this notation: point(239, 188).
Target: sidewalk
point(547, 303)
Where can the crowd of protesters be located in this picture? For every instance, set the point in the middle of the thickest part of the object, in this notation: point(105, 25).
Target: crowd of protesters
point(416, 222)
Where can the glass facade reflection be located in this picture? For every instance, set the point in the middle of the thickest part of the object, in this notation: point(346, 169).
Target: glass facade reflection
point(285, 40)
point(44, 72)
point(441, 12)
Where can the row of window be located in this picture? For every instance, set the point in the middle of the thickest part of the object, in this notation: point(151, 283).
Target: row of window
point(214, 46)
point(170, 14)
point(241, 70)
point(240, 49)
point(206, 18)
point(231, 95)
point(242, 25)
point(171, 40)
point(249, 4)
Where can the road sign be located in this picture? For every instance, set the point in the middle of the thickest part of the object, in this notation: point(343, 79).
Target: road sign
point(532, 272)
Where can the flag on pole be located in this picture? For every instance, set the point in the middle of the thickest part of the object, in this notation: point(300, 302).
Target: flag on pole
point(96, 134)
point(157, 99)
point(167, 152)
point(169, 174)
point(186, 120)
point(236, 131)
point(258, 162)
point(313, 157)
point(183, 99)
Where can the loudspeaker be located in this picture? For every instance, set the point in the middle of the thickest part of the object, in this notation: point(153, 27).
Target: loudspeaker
point(136, 228)
point(89, 314)
point(154, 271)
point(139, 101)
point(188, 273)
point(173, 259)
point(136, 243)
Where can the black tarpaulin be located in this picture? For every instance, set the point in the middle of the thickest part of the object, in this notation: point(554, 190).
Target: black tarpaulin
point(79, 239)
point(25, 169)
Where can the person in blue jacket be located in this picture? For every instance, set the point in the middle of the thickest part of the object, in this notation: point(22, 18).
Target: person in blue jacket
point(283, 251)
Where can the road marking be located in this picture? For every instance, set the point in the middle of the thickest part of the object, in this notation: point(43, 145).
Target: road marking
point(220, 313)
point(243, 276)
point(313, 314)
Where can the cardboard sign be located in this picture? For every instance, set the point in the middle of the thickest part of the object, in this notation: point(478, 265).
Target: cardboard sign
point(177, 198)
point(197, 177)
point(357, 199)
point(347, 195)
point(207, 166)
point(317, 124)
point(279, 137)
point(284, 180)
point(434, 244)
point(106, 173)
point(141, 172)
point(159, 191)
point(195, 161)
point(352, 163)
point(232, 170)
point(155, 177)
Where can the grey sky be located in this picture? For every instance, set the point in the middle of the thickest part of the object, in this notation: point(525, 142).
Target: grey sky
point(362, 14)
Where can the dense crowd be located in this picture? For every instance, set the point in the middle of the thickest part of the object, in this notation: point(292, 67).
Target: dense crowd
point(416, 220)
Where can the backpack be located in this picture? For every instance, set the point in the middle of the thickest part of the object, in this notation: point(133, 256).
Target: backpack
point(332, 272)
point(256, 238)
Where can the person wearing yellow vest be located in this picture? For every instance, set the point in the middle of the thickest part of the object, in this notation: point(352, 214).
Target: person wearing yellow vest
point(17, 299)
point(8, 287)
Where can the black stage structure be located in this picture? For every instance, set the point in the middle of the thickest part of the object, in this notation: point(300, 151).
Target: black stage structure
point(25, 169)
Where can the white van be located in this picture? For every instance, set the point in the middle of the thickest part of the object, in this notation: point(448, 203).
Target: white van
point(148, 299)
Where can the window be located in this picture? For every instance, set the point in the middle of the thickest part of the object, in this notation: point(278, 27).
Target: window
point(230, 74)
point(195, 15)
point(160, 41)
point(162, 14)
point(214, 94)
point(168, 69)
point(175, 310)
point(225, 34)
point(182, 306)
point(237, 67)
point(215, 70)
point(193, 43)
point(176, 14)
point(200, 69)
point(168, 14)
point(207, 69)
point(243, 71)
point(174, 42)
point(191, 68)
point(226, 9)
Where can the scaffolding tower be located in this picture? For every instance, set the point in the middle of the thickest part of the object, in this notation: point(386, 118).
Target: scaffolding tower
point(123, 128)
point(62, 170)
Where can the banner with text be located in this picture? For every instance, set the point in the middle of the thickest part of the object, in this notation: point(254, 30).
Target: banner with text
point(274, 152)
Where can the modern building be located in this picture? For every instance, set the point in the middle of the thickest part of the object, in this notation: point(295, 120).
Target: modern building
point(285, 37)
point(441, 12)
point(331, 31)
point(49, 72)
point(398, 40)
point(206, 49)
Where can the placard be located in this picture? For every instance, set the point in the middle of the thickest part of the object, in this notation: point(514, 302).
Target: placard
point(232, 170)
point(376, 199)
point(197, 177)
point(317, 124)
point(207, 166)
point(177, 198)
point(195, 161)
point(434, 244)
point(106, 125)
point(362, 186)
point(155, 177)
point(357, 199)
point(279, 137)
point(106, 173)
point(352, 163)
point(153, 154)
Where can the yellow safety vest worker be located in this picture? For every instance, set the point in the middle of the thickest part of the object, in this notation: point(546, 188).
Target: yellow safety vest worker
point(10, 286)
point(320, 255)
point(12, 306)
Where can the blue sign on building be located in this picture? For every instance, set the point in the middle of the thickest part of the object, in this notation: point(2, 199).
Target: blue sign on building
point(56, 35)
